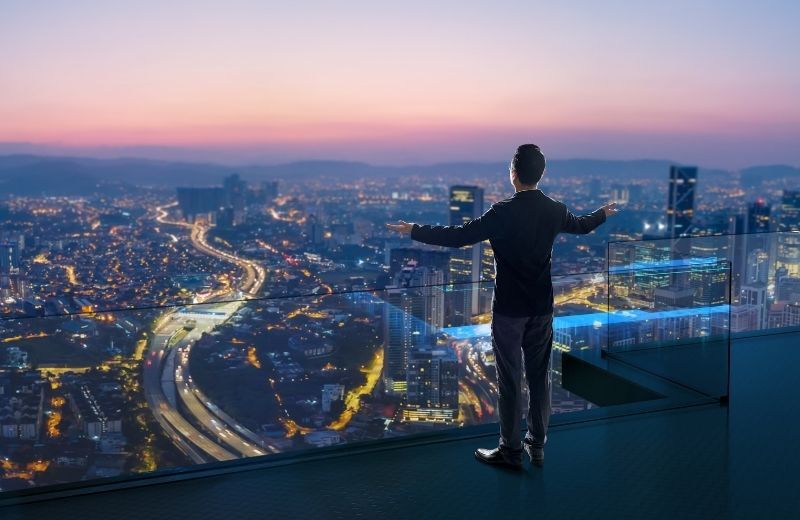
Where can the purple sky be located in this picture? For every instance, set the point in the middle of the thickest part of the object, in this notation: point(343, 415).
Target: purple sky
point(714, 83)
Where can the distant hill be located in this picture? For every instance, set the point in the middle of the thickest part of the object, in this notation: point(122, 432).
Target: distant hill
point(756, 174)
point(38, 175)
point(48, 177)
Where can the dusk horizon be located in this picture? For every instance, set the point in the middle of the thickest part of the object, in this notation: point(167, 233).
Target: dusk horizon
point(391, 85)
point(261, 156)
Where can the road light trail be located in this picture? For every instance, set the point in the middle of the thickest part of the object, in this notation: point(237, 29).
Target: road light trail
point(190, 440)
point(223, 430)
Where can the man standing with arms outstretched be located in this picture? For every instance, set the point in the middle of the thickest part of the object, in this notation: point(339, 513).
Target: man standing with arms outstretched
point(521, 229)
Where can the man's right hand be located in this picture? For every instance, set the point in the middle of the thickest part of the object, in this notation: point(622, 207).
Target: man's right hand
point(401, 227)
point(610, 209)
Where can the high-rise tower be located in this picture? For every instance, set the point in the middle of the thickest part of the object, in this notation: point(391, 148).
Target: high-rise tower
point(680, 207)
point(466, 203)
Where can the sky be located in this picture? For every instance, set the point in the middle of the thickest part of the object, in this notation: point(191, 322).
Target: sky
point(713, 83)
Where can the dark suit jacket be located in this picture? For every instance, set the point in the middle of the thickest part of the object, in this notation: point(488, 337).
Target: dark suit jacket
point(521, 229)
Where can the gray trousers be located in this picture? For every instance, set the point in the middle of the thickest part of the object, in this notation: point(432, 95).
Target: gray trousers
point(516, 342)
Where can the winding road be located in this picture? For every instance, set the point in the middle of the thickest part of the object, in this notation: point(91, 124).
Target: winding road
point(198, 427)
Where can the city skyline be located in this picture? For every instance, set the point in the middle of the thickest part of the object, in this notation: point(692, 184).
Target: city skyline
point(248, 83)
point(155, 327)
point(195, 261)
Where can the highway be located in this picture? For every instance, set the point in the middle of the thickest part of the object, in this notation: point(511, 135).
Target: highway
point(213, 420)
point(477, 387)
point(255, 274)
point(222, 437)
point(189, 439)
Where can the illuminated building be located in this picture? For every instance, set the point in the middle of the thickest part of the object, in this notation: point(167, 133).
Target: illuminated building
point(234, 192)
point(737, 250)
point(647, 274)
point(757, 266)
point(199, 202)
point(710, 282)
point(788, 239)
point(680, 205)
point(758, 216)
point(486, 289)
point(413, 313)
point(466, 203)
point(9, 257)
point(11, 283)
point(331, 393)
point(315, 230)
point(791, 314)
point(745, 318)
point(787, 288)
point(755, 294)
point(620, 194)
point(432, 386)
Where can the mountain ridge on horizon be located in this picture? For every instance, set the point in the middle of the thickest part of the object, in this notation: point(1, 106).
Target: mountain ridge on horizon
point(295, 162)
point(30, 174)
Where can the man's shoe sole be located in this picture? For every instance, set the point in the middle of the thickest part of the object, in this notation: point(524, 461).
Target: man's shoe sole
point(503, 464)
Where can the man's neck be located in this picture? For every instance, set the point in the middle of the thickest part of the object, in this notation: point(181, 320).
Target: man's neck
point(520, 188)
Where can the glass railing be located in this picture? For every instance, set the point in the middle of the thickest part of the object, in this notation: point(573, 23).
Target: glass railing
point(671, 318)
point(96, 394)
point(103, 392)
point(124, 393)
point(764, 272)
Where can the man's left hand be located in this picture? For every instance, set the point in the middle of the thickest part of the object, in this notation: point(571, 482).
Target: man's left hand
point(610, 209)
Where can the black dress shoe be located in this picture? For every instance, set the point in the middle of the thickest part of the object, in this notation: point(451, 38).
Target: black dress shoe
point(535, 453)
point(499, 457)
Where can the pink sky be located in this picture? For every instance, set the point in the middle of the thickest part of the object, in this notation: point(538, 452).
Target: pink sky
point(715, 84)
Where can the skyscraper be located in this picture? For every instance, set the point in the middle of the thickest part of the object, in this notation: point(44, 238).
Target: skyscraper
point(788, 238)
point(486, 289)
point(432, 386)
point(196, 202)
point(757, 267)
point(11, 283)
point(620, 194)
point(758, 214)
point(315, 230)
point(466, 203)
point(755, 294)
point(680, 207)
point(645, 281)
point(234, 197)
point(413, 312)
point(737, 250)
point(760, 249)
point(9, 257)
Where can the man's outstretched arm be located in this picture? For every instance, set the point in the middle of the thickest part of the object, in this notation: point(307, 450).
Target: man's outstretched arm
point(474, 231)
point(587, 223)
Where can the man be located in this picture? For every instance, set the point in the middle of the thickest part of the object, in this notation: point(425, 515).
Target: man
point(521, 229)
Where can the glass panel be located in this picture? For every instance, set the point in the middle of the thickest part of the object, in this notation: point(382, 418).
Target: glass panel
point(114, 394)
point(670, 311)
point(765, 272)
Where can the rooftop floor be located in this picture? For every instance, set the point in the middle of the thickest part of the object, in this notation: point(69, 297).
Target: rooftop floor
point(708, 461)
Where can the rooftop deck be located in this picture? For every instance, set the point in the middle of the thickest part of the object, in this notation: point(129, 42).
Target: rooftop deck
point(704, 461)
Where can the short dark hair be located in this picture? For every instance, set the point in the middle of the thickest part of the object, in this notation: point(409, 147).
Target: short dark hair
point(529, 164)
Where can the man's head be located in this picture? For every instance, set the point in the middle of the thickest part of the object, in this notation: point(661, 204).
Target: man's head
point(527, 166)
